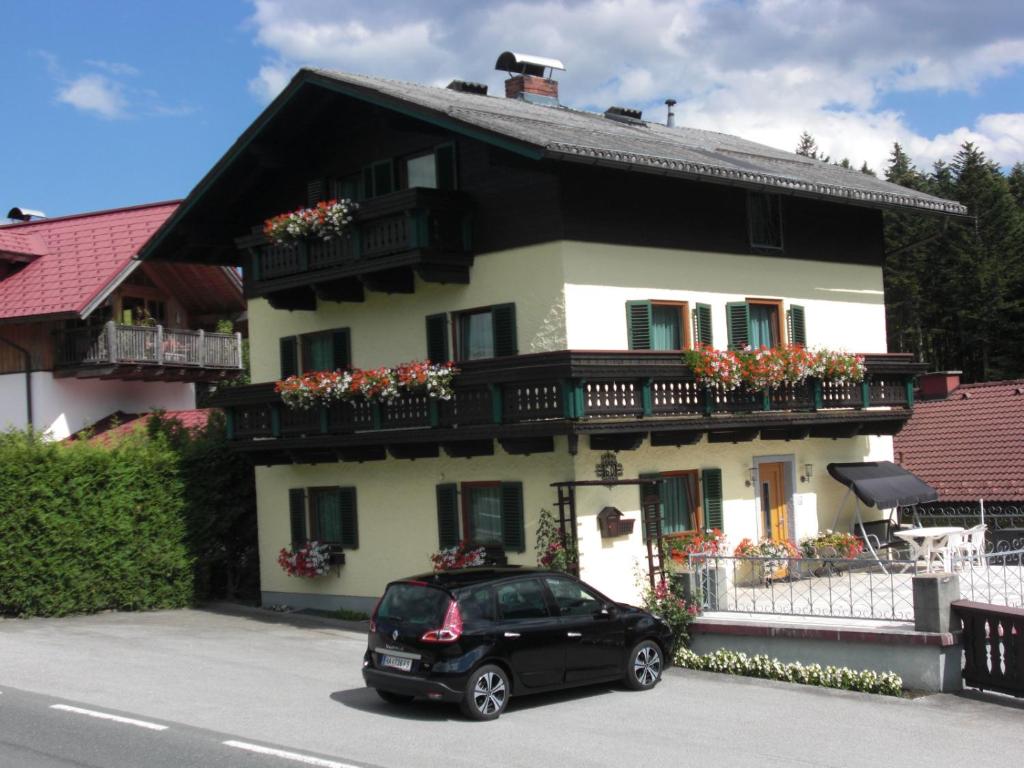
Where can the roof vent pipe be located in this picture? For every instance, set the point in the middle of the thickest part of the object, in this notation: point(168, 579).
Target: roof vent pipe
point(24, 214)
point(670, 121)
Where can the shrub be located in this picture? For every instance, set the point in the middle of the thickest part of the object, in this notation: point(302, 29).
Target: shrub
point(665, 599)
point(85, 528)
point(733, 663)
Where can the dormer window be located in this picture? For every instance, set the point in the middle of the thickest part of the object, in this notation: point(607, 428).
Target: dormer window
point(764, 213)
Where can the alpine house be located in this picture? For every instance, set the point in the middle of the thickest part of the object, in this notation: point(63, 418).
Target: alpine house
point(568, 264)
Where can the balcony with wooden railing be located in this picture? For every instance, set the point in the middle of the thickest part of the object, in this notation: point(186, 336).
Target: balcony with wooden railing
point(147, 352)
point(391, 237)
point(615, 398)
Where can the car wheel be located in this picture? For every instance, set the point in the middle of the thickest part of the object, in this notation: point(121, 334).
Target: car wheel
point(487, 692)
point(643, 665)
point(394, 698)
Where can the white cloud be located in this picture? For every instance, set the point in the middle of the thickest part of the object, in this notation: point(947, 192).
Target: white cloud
point(114, 67)
point(763, 69)
point(94, 93)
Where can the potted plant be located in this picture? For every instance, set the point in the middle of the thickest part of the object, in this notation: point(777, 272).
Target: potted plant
point(767, 560)
point(680, 546)
point(308, 560)
point(462, 555)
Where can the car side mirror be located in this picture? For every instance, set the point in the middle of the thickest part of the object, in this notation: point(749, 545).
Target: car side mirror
point(606, 612)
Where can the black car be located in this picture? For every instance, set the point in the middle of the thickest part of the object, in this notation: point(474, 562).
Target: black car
point(480, 635)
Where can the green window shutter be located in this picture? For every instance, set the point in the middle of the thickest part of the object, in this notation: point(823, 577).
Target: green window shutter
point(645, 490)
point(367, 182)
point(447, 515)
point(702, 326)
point(340, 341)
point(297, 514)
point(437, 338)
point(316, 191)
point(383, 178)
point(444, 157)
point(289, 356)
point(513, 531)
point(349, 519)
point(737, 314)
point(504, 318)
point(711, 490)
point(796, 326)
point(638, 324)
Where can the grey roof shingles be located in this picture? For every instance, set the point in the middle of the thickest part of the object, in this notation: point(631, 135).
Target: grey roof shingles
point(570, 134)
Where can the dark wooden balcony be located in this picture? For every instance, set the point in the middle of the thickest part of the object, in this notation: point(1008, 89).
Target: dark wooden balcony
point(151, 353)
point(421, 231)
point(616, 399)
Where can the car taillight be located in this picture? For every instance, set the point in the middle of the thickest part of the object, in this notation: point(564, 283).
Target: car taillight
point(373, 616)
point(452, 629)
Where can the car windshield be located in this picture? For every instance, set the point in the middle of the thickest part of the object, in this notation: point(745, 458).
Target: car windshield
point(406, 603)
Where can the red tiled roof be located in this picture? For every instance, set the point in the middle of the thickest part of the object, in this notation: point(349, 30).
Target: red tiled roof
point(119, 424)
point(970, 445)
point(82, 254)
point(21, 243)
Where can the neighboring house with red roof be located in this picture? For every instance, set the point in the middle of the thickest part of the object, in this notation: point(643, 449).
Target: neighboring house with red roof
point(86, 330)
point(967, 441)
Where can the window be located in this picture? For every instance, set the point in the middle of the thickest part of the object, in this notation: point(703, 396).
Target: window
point(324, 514)
point(665, 325)
point(138, 311)
point(758, 323)
point(486, 332)
point(684, 505)
point(378, 179)
point(321, 351)
point(477, 604)
point(571, 598)
point(522, 600)
point(421, 171)
point(764, 213)
point(680, 509)
point(434, 169)
point(490, 514)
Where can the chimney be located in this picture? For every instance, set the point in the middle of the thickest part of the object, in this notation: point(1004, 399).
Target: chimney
point(938, 385)
point(670, 121)
point(529, 77)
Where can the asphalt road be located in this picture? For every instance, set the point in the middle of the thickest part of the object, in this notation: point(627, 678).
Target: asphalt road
point(295, 685)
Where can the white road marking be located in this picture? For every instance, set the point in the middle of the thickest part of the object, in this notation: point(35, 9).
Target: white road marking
point(107, 716)
point(318, 761)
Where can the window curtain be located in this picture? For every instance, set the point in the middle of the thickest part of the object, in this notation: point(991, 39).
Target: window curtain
point(678, 499)
point(485, 515)
point(328, 517)
point(321, 353)
point(478, 335)
point(763, 326)
point(665, 331)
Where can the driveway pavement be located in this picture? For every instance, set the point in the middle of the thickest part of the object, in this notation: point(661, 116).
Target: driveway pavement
point(296, 682)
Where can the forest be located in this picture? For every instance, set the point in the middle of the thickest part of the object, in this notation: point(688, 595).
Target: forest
point(954, 288)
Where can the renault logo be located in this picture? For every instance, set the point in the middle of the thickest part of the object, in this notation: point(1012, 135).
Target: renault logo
point(394, 635)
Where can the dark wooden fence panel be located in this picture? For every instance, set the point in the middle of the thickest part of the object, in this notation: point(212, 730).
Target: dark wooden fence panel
point(993, 641)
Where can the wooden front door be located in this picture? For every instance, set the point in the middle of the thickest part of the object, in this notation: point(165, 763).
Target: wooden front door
point(773, 504)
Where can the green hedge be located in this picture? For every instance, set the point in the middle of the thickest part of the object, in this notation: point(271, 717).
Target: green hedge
point(86, 527)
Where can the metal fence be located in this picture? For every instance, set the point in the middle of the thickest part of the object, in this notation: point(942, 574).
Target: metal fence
point(998, 579)
point(827, 587)
point(1005, 521)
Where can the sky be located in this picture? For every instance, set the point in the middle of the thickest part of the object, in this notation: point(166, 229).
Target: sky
point(120, 103)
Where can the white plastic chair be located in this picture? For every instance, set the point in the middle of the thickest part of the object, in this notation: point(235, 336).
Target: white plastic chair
point(971, 547)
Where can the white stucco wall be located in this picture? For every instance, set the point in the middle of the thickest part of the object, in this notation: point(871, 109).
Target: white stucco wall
point(63, 406)
point(397, 513)
point(388, 329)
point(844, 303)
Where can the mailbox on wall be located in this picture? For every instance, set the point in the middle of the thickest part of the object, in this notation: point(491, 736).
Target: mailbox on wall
point(613, 523)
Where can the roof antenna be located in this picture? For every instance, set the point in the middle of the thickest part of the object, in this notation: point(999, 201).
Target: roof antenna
point(671, 120)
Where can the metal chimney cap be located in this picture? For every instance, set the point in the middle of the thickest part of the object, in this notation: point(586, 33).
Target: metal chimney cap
point(526, 64)
point(25, 214)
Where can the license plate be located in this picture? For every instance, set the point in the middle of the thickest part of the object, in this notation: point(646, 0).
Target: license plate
point(395, 662)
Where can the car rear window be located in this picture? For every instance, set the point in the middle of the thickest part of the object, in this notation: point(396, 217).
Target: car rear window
point(406, 603)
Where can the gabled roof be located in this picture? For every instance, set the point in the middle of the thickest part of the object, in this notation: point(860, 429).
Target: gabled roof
point(970, 445)
point(120, 424)
point(77, 260)
point(572, 135)
point(562, 133)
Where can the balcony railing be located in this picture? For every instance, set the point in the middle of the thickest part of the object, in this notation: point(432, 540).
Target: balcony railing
point(155, 345)
point(405, 228)
point(595, 387)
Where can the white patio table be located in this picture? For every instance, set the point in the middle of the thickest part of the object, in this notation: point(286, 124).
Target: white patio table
point(930, 543)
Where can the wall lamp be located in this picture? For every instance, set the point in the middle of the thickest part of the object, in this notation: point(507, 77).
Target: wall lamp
point(751, 476)
point(808, 473)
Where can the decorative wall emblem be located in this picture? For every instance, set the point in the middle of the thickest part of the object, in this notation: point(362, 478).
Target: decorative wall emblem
point(608, 468)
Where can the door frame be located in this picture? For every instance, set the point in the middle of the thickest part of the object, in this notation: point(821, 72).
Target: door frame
point(788, 461)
